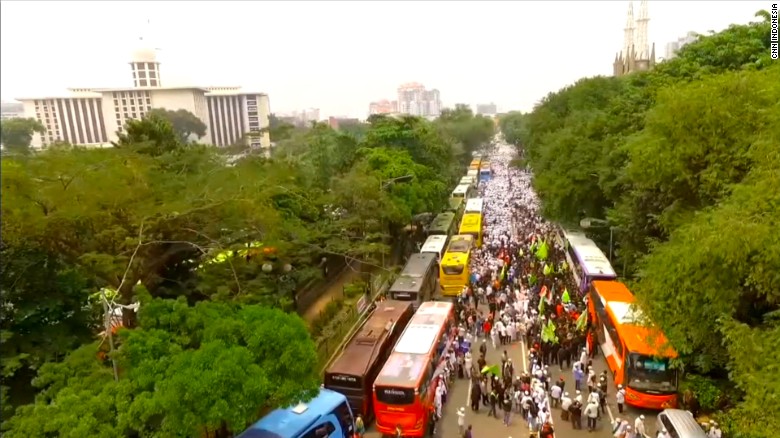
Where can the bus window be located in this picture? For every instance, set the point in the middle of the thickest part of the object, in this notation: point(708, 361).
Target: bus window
point(323, 431)
point(395, 396)
point(454, 270)
point(344, 416)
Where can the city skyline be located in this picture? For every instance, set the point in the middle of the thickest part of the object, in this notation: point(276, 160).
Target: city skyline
point(297, 75)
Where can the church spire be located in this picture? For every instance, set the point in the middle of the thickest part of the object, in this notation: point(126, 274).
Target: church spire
point(628, 31)
point(642, 47)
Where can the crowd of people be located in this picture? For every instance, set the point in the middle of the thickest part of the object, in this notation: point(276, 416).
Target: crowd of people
point(520, 290)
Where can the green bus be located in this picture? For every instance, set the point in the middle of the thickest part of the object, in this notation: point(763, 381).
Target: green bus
point(443, 225)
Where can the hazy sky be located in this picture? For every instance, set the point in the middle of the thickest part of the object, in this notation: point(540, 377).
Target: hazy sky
point(338, 56)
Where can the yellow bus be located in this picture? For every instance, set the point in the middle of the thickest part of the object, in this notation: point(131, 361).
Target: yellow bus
point(471, 224)
point(454, 267)
point(475, 164)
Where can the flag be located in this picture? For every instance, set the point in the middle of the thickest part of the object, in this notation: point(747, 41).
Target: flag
point(565, 297)
point(543, 292)
point(492, 369)
point(542, 250)
point(532, 280)
point(541, 306)
point(548, 333)
point(582, 321)
point(547, 270)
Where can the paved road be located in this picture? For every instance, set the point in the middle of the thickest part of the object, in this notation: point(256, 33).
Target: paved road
point(487, 427)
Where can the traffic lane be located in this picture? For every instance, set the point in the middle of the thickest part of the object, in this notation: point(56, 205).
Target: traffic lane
point(482, 424)
point(604, 426)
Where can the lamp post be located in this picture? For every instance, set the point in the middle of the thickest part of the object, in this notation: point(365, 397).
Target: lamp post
point(383, 184)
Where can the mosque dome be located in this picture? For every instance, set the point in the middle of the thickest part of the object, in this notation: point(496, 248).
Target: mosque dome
point(144, 54)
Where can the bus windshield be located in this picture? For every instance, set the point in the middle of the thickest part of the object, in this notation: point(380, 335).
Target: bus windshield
point(650, 374)
point(453, 270)
point(395, 396)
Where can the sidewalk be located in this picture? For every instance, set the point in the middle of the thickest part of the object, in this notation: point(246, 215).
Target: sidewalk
point(334, 291)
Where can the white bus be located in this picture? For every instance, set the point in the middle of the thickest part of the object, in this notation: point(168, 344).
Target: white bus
point(468, 180)
point(462, 191)
point(435, 244)
point(474, 205)
point(474, 173)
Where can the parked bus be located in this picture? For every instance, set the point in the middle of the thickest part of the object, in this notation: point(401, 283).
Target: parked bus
point(327, 415)
point(485, 173)
point(471, 224)
point(454, 272)
point(455, 206)
point(468, 180)
point(354, 371)
point(474, 173)
point(475, 164)
point(638, 355)
point(474, 205)
point(418, 280)
point(443, 224)
point(586, 260)
point(463, 191)
point(435, 244)
point(405, 388)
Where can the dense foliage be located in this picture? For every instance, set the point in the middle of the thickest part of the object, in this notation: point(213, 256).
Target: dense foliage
point(684, 163)
point(211, 247)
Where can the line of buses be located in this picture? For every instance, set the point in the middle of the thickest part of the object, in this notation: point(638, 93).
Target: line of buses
point(388, 372)
point(638, 354)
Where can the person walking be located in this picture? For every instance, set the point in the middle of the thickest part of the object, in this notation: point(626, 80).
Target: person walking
point(620, 398)
point(461, 421)
point(592, 413)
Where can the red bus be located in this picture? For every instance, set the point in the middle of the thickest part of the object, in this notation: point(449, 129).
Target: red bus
point(405, 388)
point(353, 372)
point(637, 354)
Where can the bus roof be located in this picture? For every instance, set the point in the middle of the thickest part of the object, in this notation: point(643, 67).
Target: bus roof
point(593, 261)
point(402, 369)
point(630, 322)
point(418, 265)
point(461, 243)
point(362, 351)
point(434, 243)
point(422, 332)
point(468, 179)
point(472, 172)
point(442, 221)
point(462, 189)
point(295, 420)
point(471, 220)
point(474, 205)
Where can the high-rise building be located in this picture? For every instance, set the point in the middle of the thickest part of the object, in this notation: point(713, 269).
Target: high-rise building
point(637, 54)
point(93, 116)
point(673, 47)
point(488, 109)
point(383, 106)
point(414, 99)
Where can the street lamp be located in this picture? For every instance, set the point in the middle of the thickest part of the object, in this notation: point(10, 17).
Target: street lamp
point(383, 184)
point(591, 222)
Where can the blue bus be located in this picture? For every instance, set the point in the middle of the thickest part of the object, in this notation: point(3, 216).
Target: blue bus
point(485, 172)
point(328, 415)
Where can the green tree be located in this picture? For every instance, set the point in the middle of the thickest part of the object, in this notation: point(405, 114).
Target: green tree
point(184, 123)
point(16, 134)
point(470, 132)
point(204, 370)
point(278, 129)
point(514, 126)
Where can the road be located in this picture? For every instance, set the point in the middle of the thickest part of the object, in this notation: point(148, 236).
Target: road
point(487, 427)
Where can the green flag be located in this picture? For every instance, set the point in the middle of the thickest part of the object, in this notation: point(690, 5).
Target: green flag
point(492, 369)
point(542, 250)
point(541, 306)
point(548, 333)
point(547, 269)
point(565, 297)
point(532, 280)
point(582, 321)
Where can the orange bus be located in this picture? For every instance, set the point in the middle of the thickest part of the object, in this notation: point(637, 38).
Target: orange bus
point(638, 356)
point(353, 372)
point(405, 388)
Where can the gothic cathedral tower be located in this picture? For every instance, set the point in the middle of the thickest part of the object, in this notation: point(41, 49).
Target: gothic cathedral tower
point(637, 54)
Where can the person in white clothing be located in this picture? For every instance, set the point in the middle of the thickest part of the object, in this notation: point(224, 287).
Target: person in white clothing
point(715, 431)
point(639, 427)
point(461, 421)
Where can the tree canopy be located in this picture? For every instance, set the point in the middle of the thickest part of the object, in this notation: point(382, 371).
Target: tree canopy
point(683, 162)
point(16, 134)
point(185, 123)
point(211, 247)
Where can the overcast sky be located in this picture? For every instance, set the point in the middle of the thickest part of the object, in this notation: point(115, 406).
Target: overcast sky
point(338, 56)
